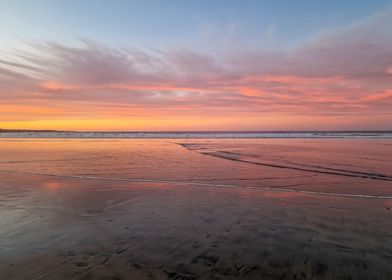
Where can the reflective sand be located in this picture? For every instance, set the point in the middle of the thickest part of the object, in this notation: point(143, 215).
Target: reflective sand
point(195, 209)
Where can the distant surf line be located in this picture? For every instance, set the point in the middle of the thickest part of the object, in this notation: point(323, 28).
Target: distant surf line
point(196, 134)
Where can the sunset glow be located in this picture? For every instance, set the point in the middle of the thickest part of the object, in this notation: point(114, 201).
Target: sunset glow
point(195, 139)
point(335, 78)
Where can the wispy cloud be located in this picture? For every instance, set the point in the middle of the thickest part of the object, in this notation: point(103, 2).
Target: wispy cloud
point(344, 73)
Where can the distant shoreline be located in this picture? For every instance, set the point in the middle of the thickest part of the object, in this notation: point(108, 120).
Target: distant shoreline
point(192, 134)
point(29, 130)
point(193, 131)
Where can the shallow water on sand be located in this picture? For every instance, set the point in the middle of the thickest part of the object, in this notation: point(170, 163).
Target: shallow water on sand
point(344, 166)
point(195, 208)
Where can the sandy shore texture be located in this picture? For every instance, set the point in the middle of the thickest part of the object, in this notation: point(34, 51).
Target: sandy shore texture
point(205, 209)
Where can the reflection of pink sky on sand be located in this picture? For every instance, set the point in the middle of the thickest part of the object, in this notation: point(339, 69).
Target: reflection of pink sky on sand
point(109, 217)
point(53, 185)
point(319, 167)
point(171, 201)
point(388, 204)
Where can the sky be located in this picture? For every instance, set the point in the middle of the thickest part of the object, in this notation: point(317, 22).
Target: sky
point(195, 65)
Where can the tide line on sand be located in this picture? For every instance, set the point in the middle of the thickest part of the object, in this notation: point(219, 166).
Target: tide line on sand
point(146, 180)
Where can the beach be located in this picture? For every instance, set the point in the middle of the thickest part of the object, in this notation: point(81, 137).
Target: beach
point(205, 208)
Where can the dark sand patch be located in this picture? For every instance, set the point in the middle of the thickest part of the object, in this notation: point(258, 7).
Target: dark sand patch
point(85, 229)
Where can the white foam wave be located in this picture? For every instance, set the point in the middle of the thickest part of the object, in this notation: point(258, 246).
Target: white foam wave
point(193, 135)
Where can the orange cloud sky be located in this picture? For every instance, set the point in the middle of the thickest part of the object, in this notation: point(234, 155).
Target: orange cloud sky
point(337, 82)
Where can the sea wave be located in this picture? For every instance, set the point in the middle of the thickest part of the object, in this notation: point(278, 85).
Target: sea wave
point(199, 135)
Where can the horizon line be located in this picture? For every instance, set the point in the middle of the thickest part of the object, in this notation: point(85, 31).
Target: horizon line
point(191, 131)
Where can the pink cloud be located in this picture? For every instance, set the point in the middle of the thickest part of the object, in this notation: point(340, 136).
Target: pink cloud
point(345, 72)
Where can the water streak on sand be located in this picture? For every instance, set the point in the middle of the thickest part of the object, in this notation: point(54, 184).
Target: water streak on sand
point(293, 166)
point(270, 188)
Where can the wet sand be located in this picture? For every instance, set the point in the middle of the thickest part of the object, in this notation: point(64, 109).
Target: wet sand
point(205, 209)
